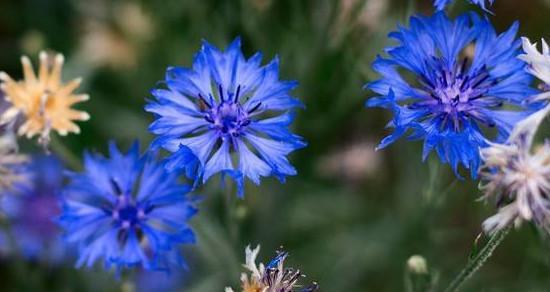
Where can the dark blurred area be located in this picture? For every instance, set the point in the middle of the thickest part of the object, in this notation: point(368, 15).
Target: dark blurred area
point(352, 216)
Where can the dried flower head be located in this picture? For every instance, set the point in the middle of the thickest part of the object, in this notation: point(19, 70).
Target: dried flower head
point(14, 173)
point(43, 101)
point(271, 278)
point(517, 178)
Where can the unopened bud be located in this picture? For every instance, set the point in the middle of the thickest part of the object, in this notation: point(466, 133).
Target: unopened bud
point(417, 264)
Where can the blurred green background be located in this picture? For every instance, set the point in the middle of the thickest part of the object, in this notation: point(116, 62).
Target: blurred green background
point(353, 216)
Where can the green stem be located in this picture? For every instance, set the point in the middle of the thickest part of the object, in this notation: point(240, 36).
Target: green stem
point(19, 263)
point(411, 8)
point(11, 239)
point(65, 154)
point(230, 211)
point(476, 263)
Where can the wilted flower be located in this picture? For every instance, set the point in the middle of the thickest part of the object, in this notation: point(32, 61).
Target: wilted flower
point(9, 127)
point(271, 278)
point(14, 169)
point(468, 79)
point(441, 4)
point(224, 105)
point(539, 64)
point(517, 178)
point(43, 100)
point(127, 211)
point(32, 210)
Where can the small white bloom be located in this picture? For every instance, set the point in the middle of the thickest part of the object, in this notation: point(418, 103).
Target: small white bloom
point(518, 177)
point(273, 278)
point(539, 64)
point(250, 264)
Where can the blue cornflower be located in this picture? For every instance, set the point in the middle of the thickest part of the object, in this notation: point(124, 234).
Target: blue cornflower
point(31, 211)
point(441, 4)
point(226, 104)
point(469, 81)
point(127, 211)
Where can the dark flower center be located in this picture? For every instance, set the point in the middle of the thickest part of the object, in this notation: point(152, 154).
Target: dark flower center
point(227, 117)
point(127, 213)
point(457, 95)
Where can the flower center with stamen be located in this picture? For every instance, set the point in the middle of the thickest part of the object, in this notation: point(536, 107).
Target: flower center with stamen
point(228, 117)
point(127, 213)
point(457, 95)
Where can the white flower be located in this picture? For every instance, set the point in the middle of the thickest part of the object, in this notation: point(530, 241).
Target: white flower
point(273, 278)
point(539, 64)
point(518, 177)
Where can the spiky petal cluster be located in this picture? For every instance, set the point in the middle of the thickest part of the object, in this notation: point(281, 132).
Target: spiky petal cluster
point(43, 101)
point(31, 211)
point(539, 65)
point(441, 4)
point(127, 211)
point(468, 79)
point(271, 278)
point(517, 178)
point(225, 105)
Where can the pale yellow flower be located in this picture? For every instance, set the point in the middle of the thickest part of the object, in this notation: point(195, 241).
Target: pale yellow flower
point(43, 101)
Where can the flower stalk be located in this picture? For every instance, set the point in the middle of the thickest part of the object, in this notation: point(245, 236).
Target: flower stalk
point(479, 260)
point(63, 152)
